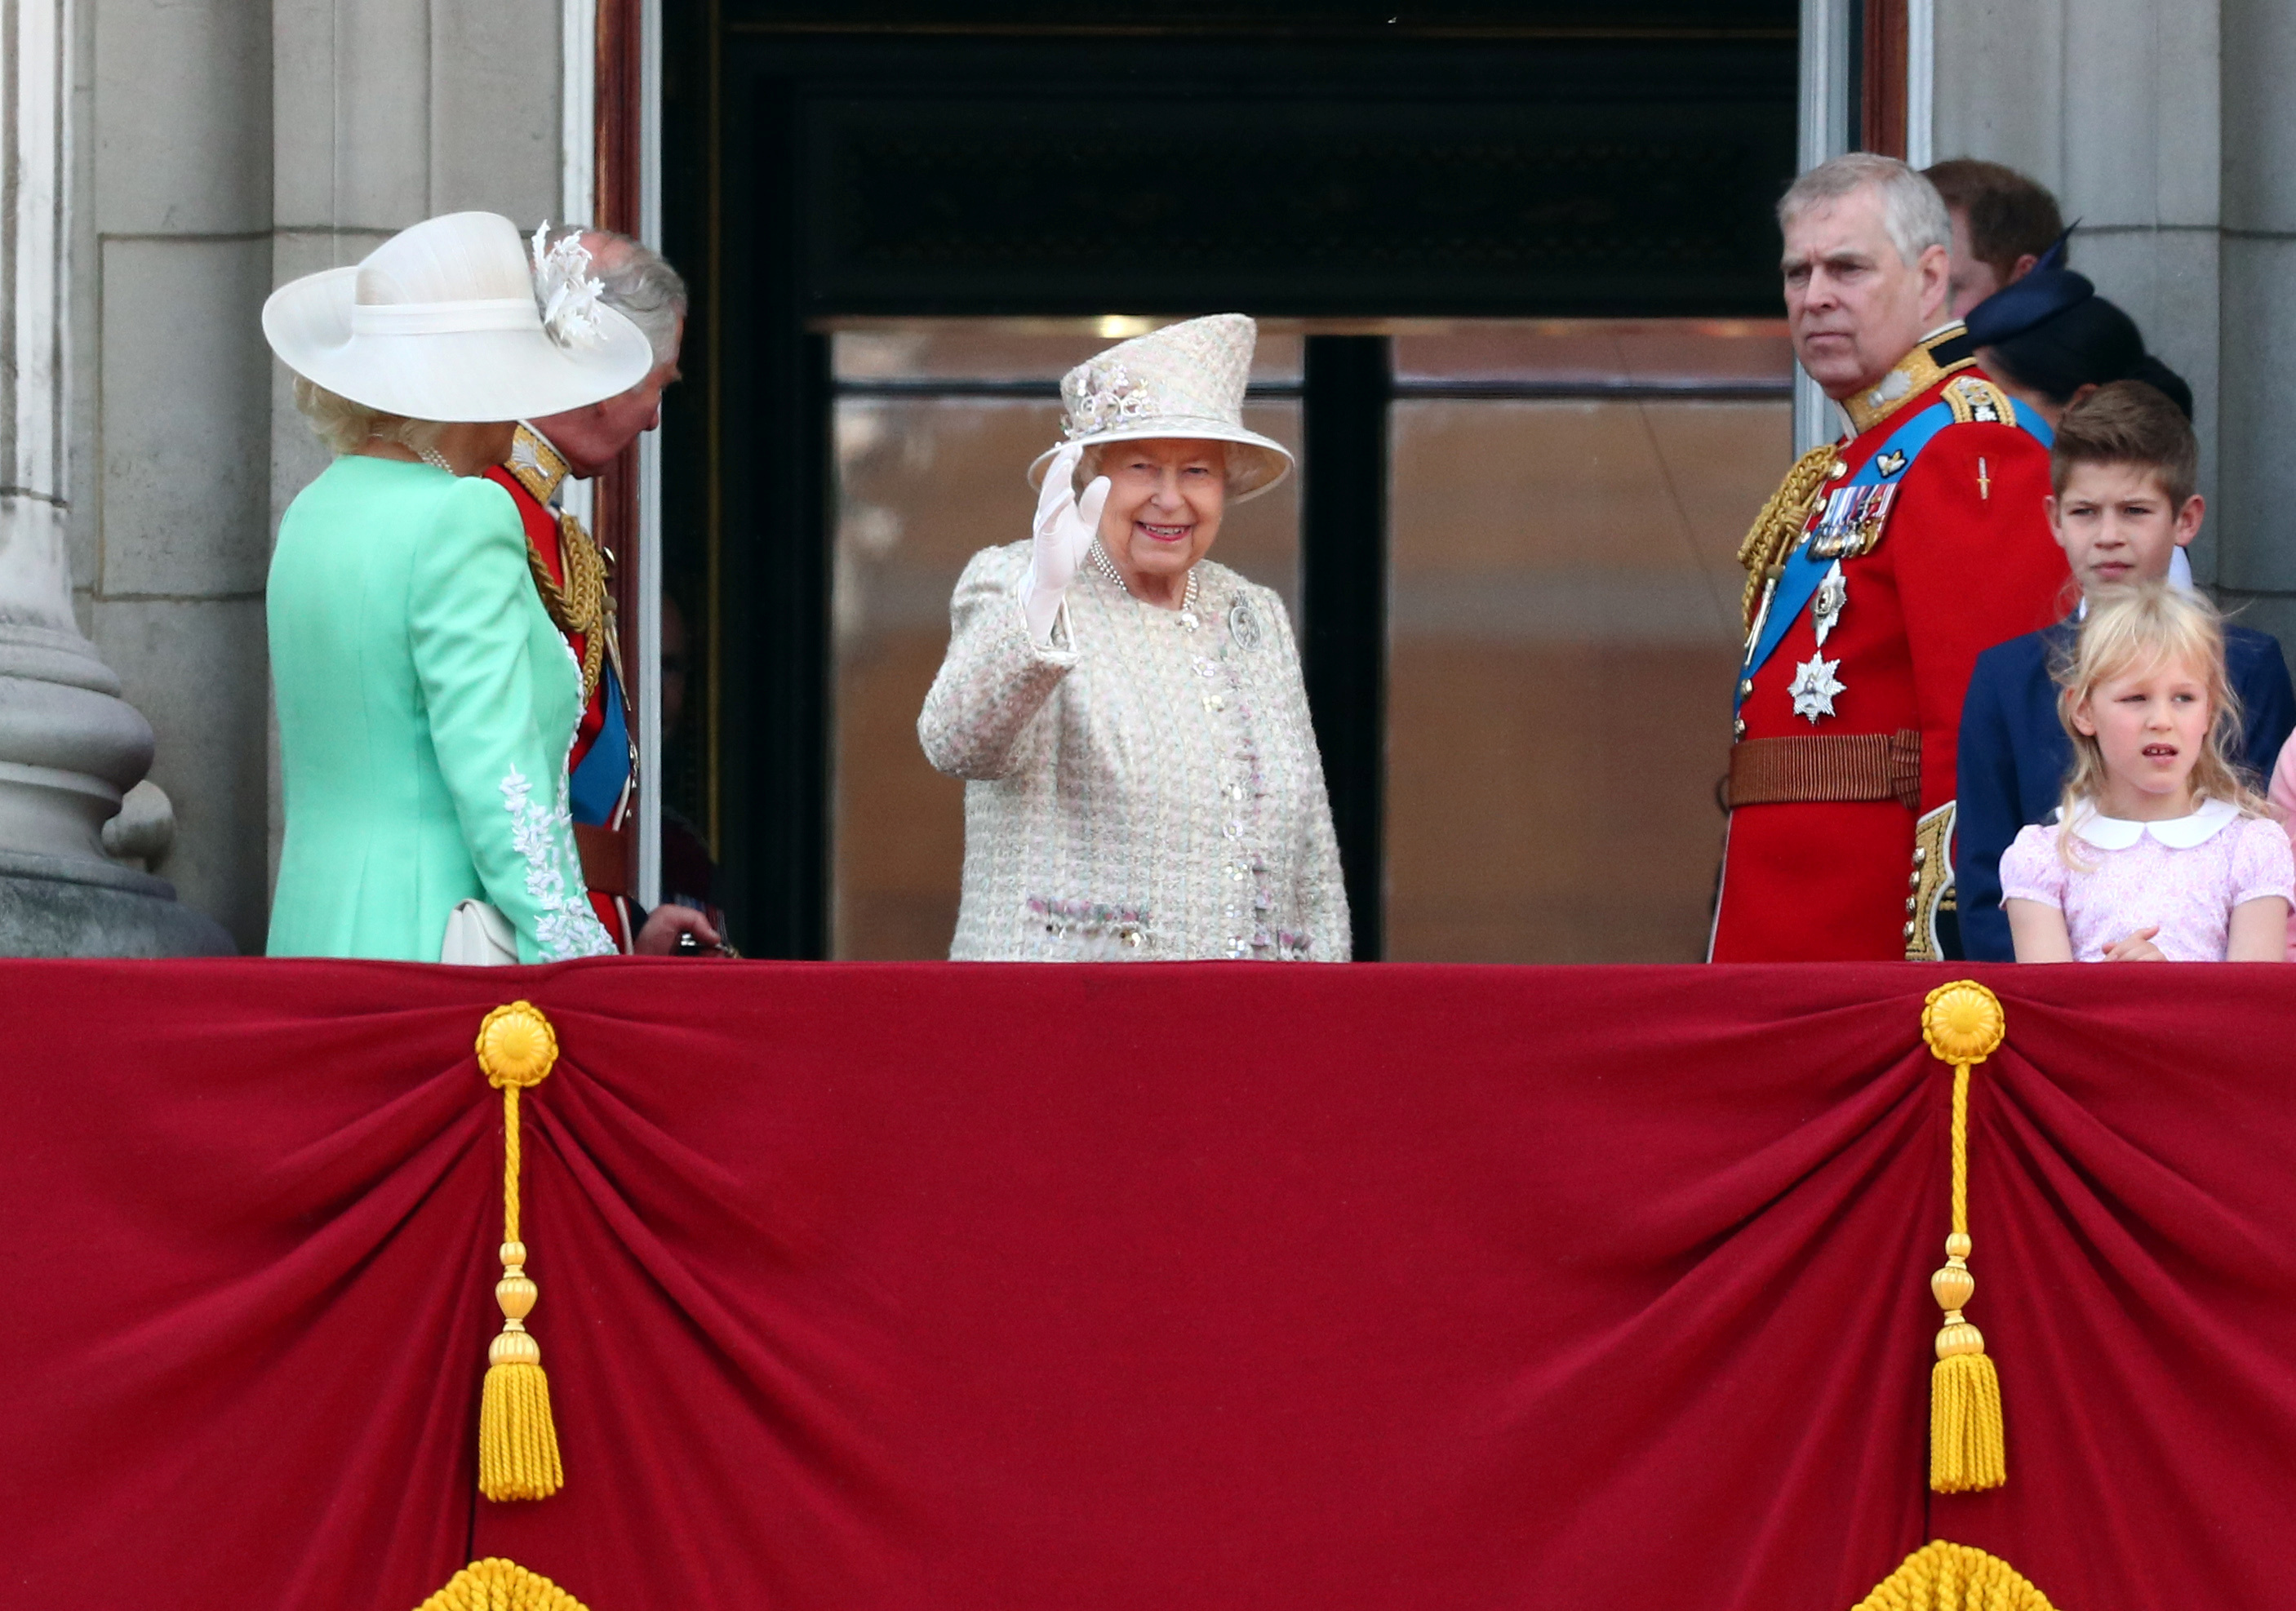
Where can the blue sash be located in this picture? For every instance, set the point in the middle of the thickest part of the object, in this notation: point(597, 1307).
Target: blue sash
point(1805, 569)
point(2032, 424)
point(605, 771)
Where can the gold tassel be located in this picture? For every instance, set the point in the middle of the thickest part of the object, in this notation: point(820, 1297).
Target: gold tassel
point(518, 1443)
point(1963, 1023)
point(1940, 1577)
point(495, 1584)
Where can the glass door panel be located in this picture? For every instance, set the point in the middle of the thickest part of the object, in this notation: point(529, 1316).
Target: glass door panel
point(1565, 506)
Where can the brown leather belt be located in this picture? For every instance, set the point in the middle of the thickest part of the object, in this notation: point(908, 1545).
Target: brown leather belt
point(1828, 767)
point(605, 858)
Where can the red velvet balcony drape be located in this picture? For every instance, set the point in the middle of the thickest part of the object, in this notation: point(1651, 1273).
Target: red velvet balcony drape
point(1225, 1286)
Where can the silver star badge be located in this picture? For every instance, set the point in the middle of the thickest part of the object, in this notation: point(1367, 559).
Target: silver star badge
point(1825, 607)
point(1814, 687)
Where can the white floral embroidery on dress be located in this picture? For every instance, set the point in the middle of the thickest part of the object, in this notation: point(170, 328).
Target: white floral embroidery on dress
point(542, 836)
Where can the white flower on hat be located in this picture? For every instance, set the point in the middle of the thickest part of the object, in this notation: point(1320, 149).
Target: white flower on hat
point(563, 287)
point(1184, 381)
point(444, 322)
point(1109, 395)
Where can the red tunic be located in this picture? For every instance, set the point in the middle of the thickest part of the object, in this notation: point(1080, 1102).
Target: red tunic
point(1965, 561)
point(541, 523)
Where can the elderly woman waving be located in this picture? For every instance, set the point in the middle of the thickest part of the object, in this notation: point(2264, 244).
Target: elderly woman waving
point(426, 699)
point(1142, 779)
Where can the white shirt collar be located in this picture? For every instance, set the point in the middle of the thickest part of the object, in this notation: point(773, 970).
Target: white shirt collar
point(2178, 833)
point(2180, 575)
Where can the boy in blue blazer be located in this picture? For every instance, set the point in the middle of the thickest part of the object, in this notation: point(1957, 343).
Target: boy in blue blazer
point(2122, 470)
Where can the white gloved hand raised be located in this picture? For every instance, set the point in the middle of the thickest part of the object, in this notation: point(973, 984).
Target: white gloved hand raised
point(1065, 527)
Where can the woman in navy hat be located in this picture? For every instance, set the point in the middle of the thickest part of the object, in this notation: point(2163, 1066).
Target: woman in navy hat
point(2049, 340)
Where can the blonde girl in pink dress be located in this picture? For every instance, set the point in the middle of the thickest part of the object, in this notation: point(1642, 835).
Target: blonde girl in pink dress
point(2160, 851)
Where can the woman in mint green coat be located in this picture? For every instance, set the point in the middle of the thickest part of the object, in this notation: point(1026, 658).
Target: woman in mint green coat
point(426, 700)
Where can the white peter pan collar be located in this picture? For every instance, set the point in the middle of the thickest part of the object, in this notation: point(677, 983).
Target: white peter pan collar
point(2178, 833)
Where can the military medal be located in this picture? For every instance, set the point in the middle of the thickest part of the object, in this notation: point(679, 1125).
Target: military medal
point(1825, 607)
point(1851, 520)
point(1814, 687)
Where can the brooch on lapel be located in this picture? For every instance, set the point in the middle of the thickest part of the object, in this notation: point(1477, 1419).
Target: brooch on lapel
point(1243, 625)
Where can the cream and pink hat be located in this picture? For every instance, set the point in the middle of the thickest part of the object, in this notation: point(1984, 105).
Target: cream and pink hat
point(1183, 382)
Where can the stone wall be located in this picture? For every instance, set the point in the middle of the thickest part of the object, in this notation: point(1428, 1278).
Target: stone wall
point(2163, 129)
point(228, 146)
point(2259, 279)
point(225, 146)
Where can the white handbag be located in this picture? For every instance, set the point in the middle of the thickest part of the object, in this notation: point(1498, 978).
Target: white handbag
point(478, 935)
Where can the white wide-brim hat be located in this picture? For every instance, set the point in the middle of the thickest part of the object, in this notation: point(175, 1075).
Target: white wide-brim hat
point(1183, 382)
point(444, 321)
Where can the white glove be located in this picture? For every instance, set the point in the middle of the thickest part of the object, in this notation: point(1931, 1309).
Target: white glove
point(1065, 527)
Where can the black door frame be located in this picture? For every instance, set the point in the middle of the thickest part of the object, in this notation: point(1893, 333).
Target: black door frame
point(754, 94)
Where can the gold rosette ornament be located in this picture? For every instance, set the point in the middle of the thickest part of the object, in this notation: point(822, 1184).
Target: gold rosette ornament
point(518, 1443)
point(495, 1584)
point(1941, 1576)
point(1963, 1023)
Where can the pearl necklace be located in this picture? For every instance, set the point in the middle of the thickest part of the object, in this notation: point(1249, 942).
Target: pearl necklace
point(1101, 563)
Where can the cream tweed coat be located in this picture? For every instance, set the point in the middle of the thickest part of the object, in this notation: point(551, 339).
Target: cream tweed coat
point(1144, 788)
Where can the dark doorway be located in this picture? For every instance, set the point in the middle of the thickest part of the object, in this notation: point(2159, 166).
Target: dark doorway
point(1359, 178)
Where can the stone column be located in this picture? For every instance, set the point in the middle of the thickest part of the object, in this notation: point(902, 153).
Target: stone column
point(2117, 106)
point(71, 750)
point(2257, 537)
point(2114, 105)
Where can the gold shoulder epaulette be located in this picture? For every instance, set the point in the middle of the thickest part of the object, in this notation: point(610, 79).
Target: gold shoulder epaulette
point(1977, 401)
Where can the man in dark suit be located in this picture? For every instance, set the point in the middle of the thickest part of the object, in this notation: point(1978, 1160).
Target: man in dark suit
point(2122, 467)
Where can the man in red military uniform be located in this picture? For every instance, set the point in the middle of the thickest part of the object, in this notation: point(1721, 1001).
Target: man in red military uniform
point(1877, 574)
point(575, 575)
